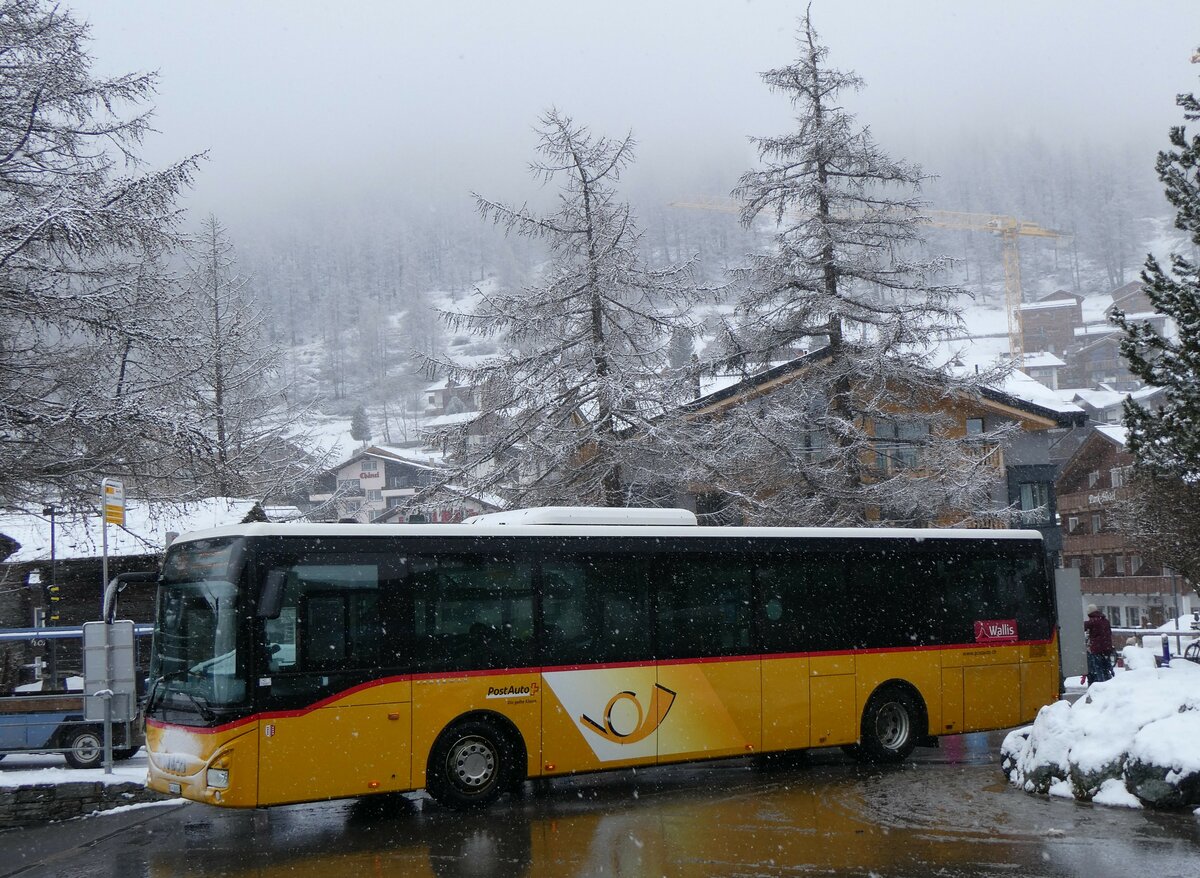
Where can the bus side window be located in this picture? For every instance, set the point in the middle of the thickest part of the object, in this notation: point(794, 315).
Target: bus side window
point(329, 620)
point(595, 609)
point(704, 606)
point(804, 604)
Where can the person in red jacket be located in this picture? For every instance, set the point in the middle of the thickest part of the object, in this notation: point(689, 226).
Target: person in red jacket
point(1100, 646)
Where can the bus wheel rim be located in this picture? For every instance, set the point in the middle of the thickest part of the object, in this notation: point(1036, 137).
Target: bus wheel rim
point(472, 763)
point(892, 725)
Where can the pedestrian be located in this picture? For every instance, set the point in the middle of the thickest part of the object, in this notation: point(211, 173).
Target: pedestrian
point(1099, 645)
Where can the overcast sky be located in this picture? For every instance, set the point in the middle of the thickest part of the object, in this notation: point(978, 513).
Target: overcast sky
point(300, 97)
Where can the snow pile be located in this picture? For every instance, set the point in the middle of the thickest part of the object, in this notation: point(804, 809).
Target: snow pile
point(1131, 741)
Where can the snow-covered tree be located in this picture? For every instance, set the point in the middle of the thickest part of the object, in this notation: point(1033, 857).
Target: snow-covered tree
point(360, 424)
point(577, 394)
point(867, 431)
point(1164, 512)
point(255, 441)
point(1167, 439)
point(82, 242)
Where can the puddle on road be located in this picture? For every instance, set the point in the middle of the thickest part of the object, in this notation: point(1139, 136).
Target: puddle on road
point(829, 816)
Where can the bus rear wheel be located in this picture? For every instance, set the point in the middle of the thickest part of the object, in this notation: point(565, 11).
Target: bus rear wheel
point(470, 765)
point(890, 726)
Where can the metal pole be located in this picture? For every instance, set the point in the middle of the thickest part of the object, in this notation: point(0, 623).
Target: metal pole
point(103, 559)
point(1175, 596)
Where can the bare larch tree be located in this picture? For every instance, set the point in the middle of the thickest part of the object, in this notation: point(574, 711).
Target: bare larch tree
point(577, 396)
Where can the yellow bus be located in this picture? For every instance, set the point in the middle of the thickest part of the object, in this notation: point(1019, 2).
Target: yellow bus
point(296, 663)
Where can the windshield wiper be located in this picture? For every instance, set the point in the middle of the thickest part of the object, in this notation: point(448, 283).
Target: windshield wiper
point(201, 705)
point(183, 673)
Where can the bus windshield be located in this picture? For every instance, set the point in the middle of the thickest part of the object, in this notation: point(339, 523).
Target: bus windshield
point(195, 666)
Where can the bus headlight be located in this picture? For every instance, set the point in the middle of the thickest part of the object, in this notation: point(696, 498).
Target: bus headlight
point(218, 778)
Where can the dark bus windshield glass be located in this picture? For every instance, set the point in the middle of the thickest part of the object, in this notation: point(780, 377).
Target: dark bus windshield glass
point(195, 666)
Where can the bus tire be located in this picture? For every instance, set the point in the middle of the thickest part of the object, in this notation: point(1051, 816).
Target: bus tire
point(470, 765)
point(84, 747)
point(892, 722)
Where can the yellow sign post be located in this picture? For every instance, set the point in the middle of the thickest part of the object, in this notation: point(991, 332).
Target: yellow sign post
point(112, 501)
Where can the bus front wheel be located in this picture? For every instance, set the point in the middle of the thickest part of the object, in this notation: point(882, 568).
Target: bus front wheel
point(469, 766)
point(891, 725)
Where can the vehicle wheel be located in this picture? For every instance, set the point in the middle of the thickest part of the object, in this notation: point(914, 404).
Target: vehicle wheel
point(85, 748)
point(470, 765)
point(891, 725)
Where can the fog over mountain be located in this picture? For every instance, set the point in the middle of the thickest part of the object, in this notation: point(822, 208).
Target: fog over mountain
point(303, 101)
point(344, 142)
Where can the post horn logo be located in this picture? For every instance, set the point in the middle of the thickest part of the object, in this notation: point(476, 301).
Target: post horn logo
point(647, 721)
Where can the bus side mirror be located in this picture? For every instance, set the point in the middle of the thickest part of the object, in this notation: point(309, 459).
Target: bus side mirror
point(270, 602)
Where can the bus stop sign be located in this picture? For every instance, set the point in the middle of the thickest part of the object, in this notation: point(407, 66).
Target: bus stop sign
point(108, 667)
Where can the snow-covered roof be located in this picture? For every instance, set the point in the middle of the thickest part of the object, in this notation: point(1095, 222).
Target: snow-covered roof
point(449, 420)
point(145, 531)
point(1099, 399)
point(1095, 329)
point(421, 457)
point(1020, 386)
point(1114, 432)
point(1042, 360)
point(1056, 303)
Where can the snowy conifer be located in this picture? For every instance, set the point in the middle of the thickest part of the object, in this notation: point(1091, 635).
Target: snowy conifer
point(577, 393)
point(1167, 440)
point(1162, 510)
point(867, 430)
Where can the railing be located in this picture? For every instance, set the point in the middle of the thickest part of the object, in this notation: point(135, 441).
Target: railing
point(1181, 639)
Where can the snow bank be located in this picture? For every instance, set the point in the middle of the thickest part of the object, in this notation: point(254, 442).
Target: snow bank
point(1131, 741)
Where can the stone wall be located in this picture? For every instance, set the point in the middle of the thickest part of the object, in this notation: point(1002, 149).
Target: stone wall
point(42, 803)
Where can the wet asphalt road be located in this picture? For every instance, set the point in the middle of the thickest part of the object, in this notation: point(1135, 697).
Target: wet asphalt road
point(946, 813)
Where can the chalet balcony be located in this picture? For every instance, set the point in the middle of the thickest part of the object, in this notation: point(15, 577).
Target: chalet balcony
point(1103, 543)
point(1116, 585)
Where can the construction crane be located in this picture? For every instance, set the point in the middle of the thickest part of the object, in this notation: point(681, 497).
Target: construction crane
point(1009, 228)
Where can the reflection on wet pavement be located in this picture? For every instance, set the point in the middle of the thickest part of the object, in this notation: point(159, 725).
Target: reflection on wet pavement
point(948, 813)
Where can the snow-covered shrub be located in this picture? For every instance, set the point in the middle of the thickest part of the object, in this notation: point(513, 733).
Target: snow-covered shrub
point(1137, 735)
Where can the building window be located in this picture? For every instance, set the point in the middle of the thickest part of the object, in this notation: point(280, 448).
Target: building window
point(1133, 617)
point(374, 496)
point(974, 426)
point(368, 465)
point(1097, 522)
point(1116, 473)
point(1035, 503)
point(1120, 565)
point(1093, 477)
point(1072, 523)
point(351, 486)
point(1135, 564)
